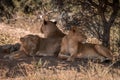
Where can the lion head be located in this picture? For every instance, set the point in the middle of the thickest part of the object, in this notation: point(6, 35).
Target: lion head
point(77, 35)
point(49, 29)
point(29, 43)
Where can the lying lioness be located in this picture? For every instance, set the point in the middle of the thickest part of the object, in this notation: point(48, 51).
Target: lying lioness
point(34, 45)
point(72, 43)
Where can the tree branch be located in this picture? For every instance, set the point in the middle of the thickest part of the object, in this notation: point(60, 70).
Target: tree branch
point(108, 3)
point(93, 3)
point(115, 11)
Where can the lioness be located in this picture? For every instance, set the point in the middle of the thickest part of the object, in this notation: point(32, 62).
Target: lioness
point(49, 29)
point(33, 45)
point(72, 43)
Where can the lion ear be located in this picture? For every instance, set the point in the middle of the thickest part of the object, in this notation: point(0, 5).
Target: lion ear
point(45, 22)
point(55, 22)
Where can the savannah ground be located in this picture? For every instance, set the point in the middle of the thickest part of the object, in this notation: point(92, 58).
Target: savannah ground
point(49, 68)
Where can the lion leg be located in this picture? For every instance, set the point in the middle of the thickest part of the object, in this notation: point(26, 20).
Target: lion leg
point(72, 57)
point(73, 54)
point(104, 51)
point(15, 55)
point(56, 53)
point(63, 52)
point(62, 56)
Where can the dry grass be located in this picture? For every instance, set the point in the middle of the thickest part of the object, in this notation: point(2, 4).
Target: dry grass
point(11, 34)
point(92, 71)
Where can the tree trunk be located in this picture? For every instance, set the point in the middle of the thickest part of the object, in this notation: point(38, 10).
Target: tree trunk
point(107, 23)
point(106, 35)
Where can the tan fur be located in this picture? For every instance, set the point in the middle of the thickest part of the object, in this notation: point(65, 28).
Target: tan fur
point(34, 45)
point(49, 29)
point(72, 43)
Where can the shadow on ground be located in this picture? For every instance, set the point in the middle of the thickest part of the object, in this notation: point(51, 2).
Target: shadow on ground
point(19, 67)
